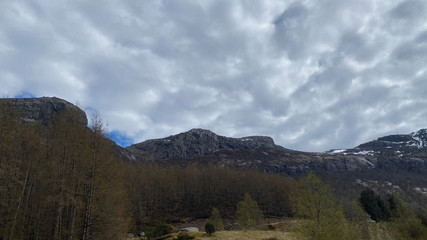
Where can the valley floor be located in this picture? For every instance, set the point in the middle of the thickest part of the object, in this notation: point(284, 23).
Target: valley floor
point(237, 235)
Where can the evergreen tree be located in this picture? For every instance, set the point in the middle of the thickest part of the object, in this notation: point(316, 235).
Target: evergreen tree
point(209, 228)
point(216, 219)
point(404, 223)
point(374, 205)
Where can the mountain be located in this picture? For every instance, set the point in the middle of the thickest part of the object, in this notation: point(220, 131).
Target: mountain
point(40, 109)
point(400, 143)
point(395, 163)
point(197, 142)
point(403, 152)
point(46, 109)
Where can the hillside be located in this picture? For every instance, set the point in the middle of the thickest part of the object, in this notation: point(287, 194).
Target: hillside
point(397, 152)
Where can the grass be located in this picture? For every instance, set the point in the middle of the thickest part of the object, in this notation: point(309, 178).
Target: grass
point(239, 235)
point(251, 235)
point(284, 231)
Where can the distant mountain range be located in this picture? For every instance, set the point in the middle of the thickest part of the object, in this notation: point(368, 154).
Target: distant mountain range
point(403, 152)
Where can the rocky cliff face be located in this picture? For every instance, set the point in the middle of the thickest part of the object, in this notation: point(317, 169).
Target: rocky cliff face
point(41, 109)
point(197, 142)
point(45, 109)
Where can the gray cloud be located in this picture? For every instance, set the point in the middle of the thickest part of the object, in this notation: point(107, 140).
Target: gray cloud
point(314, 75)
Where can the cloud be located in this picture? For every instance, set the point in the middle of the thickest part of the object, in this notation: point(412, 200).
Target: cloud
point(314, 75)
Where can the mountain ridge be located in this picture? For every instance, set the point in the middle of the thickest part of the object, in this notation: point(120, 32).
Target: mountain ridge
point(198, 142)
point(202, 146)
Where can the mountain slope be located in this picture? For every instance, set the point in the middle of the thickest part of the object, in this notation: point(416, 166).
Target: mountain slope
point(403, 152)
point(198, 142)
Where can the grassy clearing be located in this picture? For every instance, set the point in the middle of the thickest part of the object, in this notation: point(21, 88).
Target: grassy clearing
point(251, 235)
point(239, 235)
point(285, 230)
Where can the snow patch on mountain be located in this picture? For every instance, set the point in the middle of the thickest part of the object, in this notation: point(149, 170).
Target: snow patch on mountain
point(420, 139)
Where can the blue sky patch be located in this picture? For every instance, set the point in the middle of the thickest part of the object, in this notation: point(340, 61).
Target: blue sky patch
point(120, 138)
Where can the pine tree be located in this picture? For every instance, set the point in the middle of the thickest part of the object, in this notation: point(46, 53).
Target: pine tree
point(216, 219)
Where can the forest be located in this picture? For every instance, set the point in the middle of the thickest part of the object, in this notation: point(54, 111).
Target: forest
point(62, 181)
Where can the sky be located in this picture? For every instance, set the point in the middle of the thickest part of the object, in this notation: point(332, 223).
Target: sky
point(314, 74)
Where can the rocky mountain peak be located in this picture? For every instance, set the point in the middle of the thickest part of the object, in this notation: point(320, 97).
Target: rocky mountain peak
point(198, 142)
point(41, 109)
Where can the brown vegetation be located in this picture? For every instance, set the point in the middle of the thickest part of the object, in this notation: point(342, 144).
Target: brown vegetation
point(59, 182)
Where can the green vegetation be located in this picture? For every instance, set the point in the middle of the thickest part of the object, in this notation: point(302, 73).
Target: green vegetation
point(403, 223)
point(59, 181)
point(313, 201)
point(374, 206)
point(161, 194)
point(216, 219)
point(158, 230)
point(209, 228)
point(248, 213)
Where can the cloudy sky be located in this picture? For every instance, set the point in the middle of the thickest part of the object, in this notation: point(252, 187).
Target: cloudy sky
point(313, 74)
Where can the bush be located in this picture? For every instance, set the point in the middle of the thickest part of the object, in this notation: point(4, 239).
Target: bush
point(271, 227)
point(409, 227)
point(216, 219)
point(209, 228)
point(158, 230)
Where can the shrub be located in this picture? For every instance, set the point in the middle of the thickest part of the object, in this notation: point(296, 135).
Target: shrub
point(216, 219)
point(158, 230)
point(271, 227)
point(209, 228)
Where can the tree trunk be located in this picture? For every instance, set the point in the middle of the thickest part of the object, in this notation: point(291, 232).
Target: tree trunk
point(15, 218)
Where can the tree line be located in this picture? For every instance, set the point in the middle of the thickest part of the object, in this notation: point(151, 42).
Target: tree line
point(59, 181)
point(170, 194)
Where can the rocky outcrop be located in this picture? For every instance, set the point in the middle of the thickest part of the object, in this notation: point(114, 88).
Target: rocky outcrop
point(41, 109)
point(197, 142)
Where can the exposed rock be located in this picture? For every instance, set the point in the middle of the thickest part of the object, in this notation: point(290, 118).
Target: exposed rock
point(189, 229)
point(45, 109)
point(404, 143)
point(41, 109)
point(197, 142)
point(396, 152)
